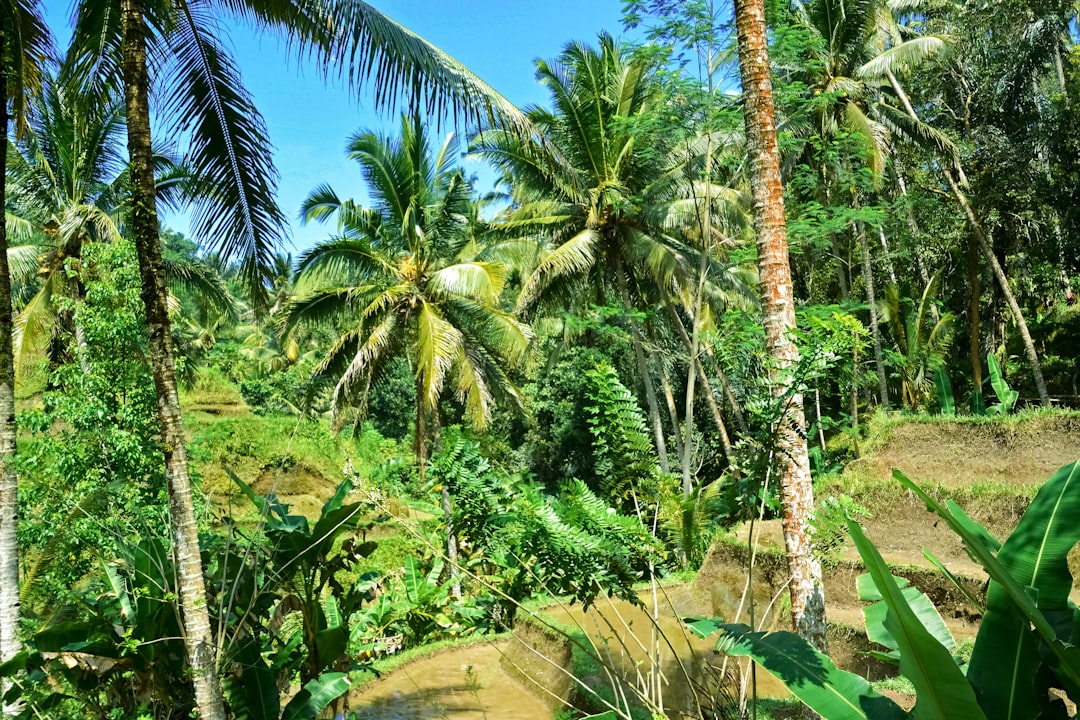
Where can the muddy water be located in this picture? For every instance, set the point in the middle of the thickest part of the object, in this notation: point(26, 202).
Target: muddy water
point(466, 683)
point(472, 683)
point(689, 671)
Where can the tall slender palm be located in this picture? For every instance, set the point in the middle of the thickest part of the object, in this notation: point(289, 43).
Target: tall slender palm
point(400, 277)
point(24, 45)
point(68, 185)
point(589, 189)
point(230, 155)
point(778, 306)
point(64, 182)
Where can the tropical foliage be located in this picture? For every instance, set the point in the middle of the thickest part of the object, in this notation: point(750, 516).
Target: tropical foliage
point(673, 314)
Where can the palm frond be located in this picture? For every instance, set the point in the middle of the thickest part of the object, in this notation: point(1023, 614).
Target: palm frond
point(233, 188)
point(902, 57)
point(572, 257)
point(438, 345)
point(354, 41)
point(479, 281)
point(29, 46)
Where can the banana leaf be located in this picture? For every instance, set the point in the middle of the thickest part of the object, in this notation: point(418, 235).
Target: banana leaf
point(250, 688)
point(942, 691)
point(921, 605)
point(315, 696)
point(811, 676)
point(951, 577)
point(1006, 396)
point(1051, 506)
point(1007, 658)
point(944, 392)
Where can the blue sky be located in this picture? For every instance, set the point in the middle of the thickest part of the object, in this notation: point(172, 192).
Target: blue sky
point(309, 122)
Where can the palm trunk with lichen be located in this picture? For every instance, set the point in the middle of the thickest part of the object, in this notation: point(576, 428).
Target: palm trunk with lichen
point(198, 639)
point(778, 309)
point(9, 483)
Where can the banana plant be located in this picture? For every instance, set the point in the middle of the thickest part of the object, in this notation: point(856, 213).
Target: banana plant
point(1028, 642)
point(295, 569)
point(1006, 396)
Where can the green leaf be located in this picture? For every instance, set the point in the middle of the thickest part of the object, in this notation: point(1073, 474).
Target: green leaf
point(922, 607)
point(250, 689)
point(942, 691)
point(944, 392)
point(332, 524)
point(338, 498)
point(315, 696)
point(1006, 659)
point(330, 644)
point(810, 675)
point(1006, 396)
point(120, 590)
point(868, 592)
point(1066, 658)
point(975, 602)
point(16, 664)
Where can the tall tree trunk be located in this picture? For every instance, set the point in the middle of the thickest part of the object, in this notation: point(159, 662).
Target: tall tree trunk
point(974, 306)
point(696, 371)
point(778, 308)
point(1004, 285)
point(144, 227)
point(447, 505)
point(841, 263)
point(888, 259)
point(916, 234)
point(673, 412)
point(9, 482)
point(733, 401)
point(650, 397)
point(875, 328)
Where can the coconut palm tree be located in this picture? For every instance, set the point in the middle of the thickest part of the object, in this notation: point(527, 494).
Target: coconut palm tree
point(230, 155)
point(24, 45)
point(68, 185)
point(595, 188)
point(778, 307)
point(402, 279)
point(854, 47)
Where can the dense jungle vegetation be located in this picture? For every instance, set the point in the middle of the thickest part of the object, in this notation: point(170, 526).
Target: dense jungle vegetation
point(235, 479)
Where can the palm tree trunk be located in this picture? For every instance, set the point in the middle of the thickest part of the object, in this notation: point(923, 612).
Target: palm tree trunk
point(974, 306)
point(9, 482)
point(875, 328)
point(916, 234)
point(885, 253)
point(673, 412)
point(144, 227)
point(778, 308)
point(1003, 283)
point(650, 397)
point(447, 504)
point(729, 393)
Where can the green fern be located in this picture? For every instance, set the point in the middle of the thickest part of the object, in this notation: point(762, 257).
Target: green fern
point(624, 457)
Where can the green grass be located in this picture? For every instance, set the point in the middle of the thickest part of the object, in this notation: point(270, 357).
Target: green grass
point(212, 387)
point(878, 431)
point(250, 445)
